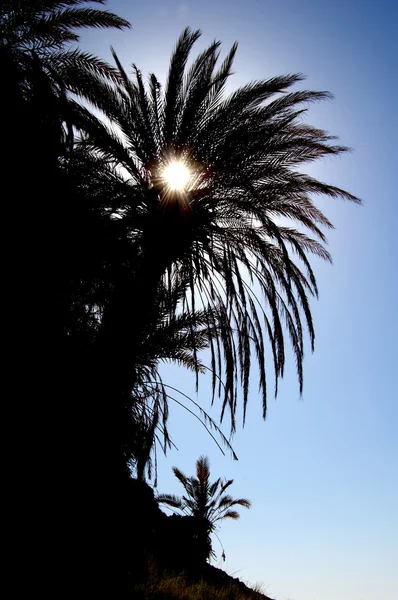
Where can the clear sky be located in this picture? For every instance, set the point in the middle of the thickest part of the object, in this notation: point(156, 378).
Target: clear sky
point(322, 471)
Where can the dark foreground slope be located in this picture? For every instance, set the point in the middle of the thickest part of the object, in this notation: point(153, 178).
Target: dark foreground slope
point(167, 564)
point(213, 584)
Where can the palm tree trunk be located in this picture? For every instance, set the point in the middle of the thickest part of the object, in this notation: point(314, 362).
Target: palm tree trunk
point(99, 388)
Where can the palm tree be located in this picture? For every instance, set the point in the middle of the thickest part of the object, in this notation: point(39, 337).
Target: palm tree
point(39, 68)
point(218, 233)
point(39, 65)
point(207, 502)
point(228, 229)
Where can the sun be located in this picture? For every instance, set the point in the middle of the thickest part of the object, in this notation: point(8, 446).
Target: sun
point(176, 175)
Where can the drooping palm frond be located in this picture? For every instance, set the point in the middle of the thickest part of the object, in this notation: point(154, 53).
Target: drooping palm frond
point(169, 337)
point(226, 234)
point(169, 500)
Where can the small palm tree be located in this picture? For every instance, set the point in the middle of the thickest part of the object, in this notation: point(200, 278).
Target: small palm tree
point(207, 502)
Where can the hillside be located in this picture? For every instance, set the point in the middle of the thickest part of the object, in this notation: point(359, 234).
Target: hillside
point(167, 561)
point(211, 584)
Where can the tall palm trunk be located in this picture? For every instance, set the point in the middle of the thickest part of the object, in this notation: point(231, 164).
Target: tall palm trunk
point(100, 383)
point(127, 319)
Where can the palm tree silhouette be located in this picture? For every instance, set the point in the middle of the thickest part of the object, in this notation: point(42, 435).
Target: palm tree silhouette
point(39, 68)
point(39, 65)
point(207, 502)
point(223, 236)
point(227, 230)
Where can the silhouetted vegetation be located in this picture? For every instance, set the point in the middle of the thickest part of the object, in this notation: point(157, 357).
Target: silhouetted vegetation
point(213, 584)
point(207, 503)
point(112, 270)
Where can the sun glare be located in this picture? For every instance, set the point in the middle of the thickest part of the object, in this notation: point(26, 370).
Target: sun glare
point(176, 175)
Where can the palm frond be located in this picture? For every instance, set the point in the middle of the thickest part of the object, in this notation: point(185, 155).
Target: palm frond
point(170, 500)
point(230, 514)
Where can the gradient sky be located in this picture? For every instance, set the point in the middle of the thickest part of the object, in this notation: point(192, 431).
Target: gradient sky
point(322, 471)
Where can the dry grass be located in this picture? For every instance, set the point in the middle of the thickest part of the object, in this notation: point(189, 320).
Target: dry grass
point(181, 588)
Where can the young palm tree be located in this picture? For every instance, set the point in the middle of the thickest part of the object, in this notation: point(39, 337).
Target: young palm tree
point(224, 225)
point(205, 501)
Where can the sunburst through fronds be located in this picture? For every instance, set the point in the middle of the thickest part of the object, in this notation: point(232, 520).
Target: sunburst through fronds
point(176, 175)
point(240, 229)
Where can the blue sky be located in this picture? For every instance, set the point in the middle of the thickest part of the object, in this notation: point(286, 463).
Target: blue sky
point(322, 471)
